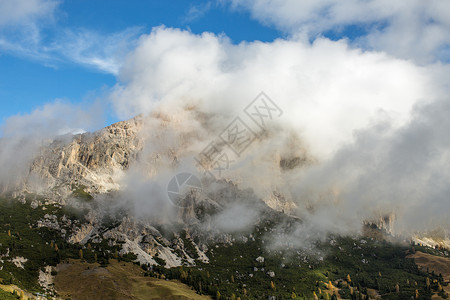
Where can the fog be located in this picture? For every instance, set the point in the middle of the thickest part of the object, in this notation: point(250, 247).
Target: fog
point(368, 129)
point(23, 136)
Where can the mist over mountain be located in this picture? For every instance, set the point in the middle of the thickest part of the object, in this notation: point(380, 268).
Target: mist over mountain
point(247, 149)
point(366, 147)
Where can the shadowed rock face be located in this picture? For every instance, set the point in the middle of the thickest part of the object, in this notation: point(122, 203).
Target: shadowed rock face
point(92, 160)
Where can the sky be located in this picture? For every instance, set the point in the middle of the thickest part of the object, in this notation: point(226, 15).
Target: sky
point(72, 51)
point(32, 74)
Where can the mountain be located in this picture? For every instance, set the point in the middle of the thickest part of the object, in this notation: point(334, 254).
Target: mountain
point(93, 160)
point(105, 195)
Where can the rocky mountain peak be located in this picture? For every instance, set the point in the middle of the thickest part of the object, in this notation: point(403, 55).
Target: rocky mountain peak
point(93, 161)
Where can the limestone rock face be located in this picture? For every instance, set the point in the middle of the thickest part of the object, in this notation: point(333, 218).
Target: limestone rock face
point(93, 161)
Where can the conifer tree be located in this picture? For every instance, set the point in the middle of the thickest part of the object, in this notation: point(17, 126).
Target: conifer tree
point(315, 296)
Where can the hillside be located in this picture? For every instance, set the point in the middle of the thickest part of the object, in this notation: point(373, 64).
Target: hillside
point(100, 208)
point(119, 280)
point(240, 265)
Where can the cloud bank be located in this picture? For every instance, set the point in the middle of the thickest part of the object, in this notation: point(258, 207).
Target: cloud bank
point(318, 84)
point(373, 123)
point(369, 111)
point(415, 29)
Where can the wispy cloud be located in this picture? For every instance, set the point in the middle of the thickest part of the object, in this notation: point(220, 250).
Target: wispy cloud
point(31, 32)
point(23, 12)
point(101, 52)
point(411, 29)
point(197, 11)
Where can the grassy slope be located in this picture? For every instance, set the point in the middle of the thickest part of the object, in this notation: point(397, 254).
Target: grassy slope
point(440, 265)
point(6, 295)
point(118, 280)
point(436, 264)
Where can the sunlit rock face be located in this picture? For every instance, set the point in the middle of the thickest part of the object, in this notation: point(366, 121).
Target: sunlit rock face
point(94, 161)
point(156, 147)
point(125, 169)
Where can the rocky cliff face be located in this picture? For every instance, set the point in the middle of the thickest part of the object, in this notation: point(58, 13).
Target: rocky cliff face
point(94, 164)
point(93, 161)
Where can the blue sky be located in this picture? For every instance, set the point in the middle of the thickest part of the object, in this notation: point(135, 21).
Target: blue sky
point(26, 82)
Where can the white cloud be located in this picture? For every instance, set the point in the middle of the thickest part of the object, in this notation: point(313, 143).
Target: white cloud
point(23, 135)
point(84, 47)
point(91, 49)
point(408, 29)
point(21, 25)
point(387, 171)
point(29, 29)
point(351, 108)
point(375, 122)
point(327, 89)
point(197, 11)
point(22, 12)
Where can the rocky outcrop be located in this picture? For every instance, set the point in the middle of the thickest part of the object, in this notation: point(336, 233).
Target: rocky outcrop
point(93, 161)
point(92, 168)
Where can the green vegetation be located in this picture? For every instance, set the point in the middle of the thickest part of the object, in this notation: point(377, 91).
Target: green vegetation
point(340, 267)
point(344, 267)
point(437, 251)
point(80, 193)
point(21, 236)
point(7, 296)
